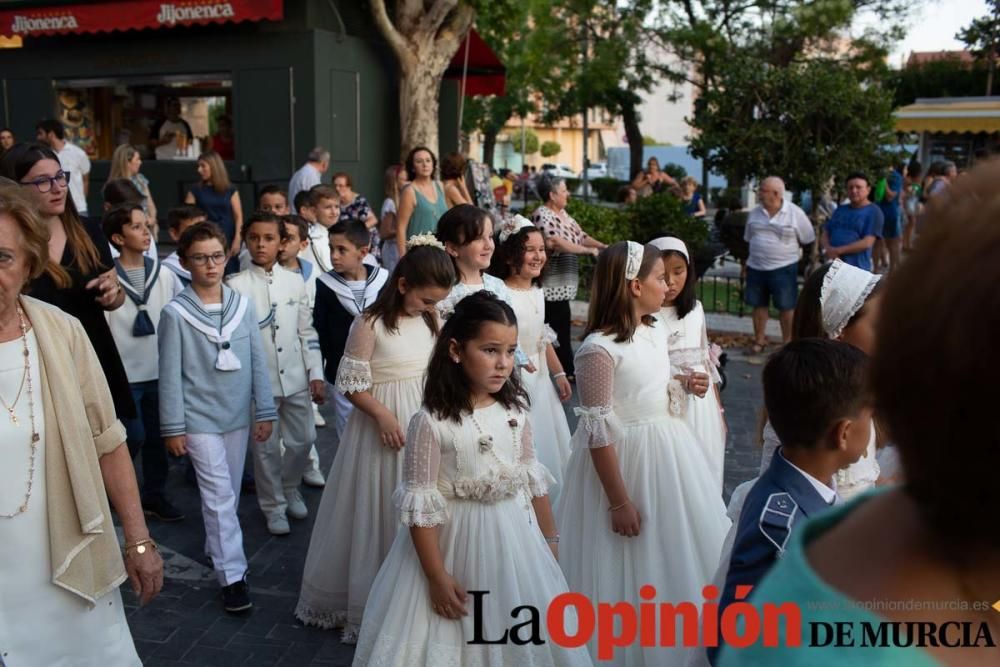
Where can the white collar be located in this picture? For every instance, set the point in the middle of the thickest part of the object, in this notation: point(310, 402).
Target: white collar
point(781, 210)
point(828, 493)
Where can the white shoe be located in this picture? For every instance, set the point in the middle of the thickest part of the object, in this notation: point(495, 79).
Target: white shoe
point(314, 478)
point(278, 525)
point(296, 506)
point(318, 418)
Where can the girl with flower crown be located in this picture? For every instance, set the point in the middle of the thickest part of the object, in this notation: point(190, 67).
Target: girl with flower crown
point(381, 373)
point(639, 505)
point(518, 261)
point(475, 506)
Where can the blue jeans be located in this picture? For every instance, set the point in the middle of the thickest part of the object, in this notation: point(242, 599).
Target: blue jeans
point(780, 284)
point(143, 433)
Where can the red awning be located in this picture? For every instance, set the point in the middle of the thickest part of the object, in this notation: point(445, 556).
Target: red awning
point(485, 74)
point(133, 15)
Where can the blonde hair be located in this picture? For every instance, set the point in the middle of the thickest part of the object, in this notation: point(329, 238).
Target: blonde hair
point(391, 184)
point(689, 182)
point(219, 179)
point(119, 162)
point(34, 233)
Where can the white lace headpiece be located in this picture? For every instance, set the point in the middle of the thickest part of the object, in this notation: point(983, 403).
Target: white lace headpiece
point(634, 261)
point(513, 225)
point(427, 238)
point(665, 243)
point(845, 289)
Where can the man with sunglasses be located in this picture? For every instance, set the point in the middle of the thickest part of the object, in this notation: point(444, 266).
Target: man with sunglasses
point(72, 159)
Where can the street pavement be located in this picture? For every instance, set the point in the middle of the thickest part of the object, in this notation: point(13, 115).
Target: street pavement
point(186, 625)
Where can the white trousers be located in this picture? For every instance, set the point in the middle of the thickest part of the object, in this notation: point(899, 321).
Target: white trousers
point(276, 471)
point(342, 409)
point(218, 460)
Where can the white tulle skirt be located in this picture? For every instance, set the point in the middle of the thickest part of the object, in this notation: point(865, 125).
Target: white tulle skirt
point(357, 521)
point(683, 526)
point(705, 419)
point(548, 423)
point(494, 547)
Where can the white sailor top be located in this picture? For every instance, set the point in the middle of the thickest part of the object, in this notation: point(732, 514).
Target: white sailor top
point(285, 319)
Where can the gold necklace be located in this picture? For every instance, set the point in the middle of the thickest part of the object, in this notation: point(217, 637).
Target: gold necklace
point(31, 414)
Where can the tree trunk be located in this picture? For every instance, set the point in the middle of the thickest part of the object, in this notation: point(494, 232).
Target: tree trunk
point(489, 145)
point(419, 90)
point(424, 37)
point(630, 118)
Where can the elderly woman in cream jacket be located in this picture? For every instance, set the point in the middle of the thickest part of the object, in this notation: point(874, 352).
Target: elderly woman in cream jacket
point(62, 456)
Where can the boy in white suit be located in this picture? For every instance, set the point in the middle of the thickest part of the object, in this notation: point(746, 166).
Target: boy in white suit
point(291, 347)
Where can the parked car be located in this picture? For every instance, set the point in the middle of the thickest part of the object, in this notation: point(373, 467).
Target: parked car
point(596, 170)
point(558, 170)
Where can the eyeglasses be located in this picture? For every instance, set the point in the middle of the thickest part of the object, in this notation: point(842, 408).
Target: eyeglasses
point(45, 183)
point(202, 260)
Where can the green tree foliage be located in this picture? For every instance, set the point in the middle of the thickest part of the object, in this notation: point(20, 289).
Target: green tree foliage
point(982, 35)
point(551, 148)
point(790, 130)
point(530, 142)
point(949, 77)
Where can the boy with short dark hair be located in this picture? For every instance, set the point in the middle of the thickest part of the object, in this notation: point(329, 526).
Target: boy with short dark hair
point(179, 219)
point(272, 199)
point(134, 328)
point(341, 295)
point(291, 259)
point(318, 207)
point(816, 399)
point(291, 348)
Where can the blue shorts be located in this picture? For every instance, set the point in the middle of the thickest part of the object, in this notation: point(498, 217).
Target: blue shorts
point(781, 285)
point(893, 228)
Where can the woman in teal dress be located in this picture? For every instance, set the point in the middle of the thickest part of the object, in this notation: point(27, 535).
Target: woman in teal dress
point(925, 553)
point(422, 202)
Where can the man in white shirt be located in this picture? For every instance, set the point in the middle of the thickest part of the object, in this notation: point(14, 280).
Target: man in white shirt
point(72, 159)
point(172, 137)
point(310, 174)
point(775, 230)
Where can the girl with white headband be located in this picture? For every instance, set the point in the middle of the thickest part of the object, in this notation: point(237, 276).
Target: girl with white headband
point(838, 301)
point(693, 362)
point(518, 261)
point(639, 505)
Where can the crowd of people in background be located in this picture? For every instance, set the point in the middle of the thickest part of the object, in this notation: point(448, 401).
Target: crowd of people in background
point(439, 330)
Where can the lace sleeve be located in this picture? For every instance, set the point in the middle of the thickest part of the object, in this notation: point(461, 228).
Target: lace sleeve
point(417, 497)
point(549, 337)
point(354, 374)
point(539, 477)
point(595, 374)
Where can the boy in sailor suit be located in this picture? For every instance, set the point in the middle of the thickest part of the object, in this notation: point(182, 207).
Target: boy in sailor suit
point(814, 393)
point(341, 295)
point(291, 348)
point(148, 288)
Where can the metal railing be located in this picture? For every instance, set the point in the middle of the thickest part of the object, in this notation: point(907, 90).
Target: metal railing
point(721, 294)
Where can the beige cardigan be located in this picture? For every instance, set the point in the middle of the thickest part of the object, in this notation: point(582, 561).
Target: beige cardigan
point(80, 427)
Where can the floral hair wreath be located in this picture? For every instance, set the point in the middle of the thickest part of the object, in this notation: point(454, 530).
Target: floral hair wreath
point(512, 226)
point(427, 238)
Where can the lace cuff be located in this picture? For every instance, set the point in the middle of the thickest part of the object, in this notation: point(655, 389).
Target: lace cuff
point(548, 337)
point(677, 398)
point(353, 375)
point(539, 479)
point(598, 426)
point(420, 507)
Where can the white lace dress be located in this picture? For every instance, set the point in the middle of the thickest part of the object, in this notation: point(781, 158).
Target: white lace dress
point(623, 394)
point(356, 522)
point(548, 420)
point(687, 341)
point(480, 500)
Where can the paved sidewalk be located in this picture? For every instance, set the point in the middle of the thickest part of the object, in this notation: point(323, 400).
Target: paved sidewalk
point(185, 625)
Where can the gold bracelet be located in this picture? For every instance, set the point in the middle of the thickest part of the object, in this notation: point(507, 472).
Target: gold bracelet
point(618, 507)
point(140, 547)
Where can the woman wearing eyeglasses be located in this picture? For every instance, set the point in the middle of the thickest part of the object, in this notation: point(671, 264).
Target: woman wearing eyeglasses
point(82, 281)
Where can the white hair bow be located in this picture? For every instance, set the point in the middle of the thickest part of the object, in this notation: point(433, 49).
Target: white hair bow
point(845, 290)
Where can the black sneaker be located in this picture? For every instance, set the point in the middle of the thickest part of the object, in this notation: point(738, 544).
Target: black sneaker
point(236, 597)
point(160, 508)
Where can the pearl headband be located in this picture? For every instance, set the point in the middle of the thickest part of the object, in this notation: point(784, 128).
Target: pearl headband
point(665, 243)
point(427, 238)
point(634, 261)
point(512, 226)
point(844, 292)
